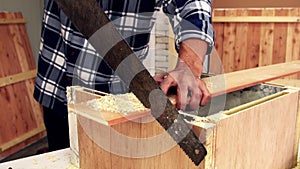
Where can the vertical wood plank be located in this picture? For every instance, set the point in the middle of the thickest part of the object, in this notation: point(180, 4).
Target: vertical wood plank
point(229, 43)
point(240, 54)
point(253, 38)
point(219, 32)
point(293, 39)
point(216, 64)
point(280, 37)
point(266, 41)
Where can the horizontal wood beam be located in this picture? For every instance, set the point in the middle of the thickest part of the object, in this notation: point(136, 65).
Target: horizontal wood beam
point(22, 138)
point(245, 19)
point(12, 21)
point(4, 81)
point(233, 81)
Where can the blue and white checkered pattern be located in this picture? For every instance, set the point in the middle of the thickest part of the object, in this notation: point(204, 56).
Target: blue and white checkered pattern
point(66, 56)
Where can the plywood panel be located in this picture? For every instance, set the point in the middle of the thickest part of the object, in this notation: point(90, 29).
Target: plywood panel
point(258, 137)
point(133, 144)
point(293, 83)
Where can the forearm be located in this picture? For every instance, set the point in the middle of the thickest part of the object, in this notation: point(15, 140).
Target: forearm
point(192, 54)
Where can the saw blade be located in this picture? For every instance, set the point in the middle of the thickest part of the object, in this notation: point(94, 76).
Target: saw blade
point(91, 21)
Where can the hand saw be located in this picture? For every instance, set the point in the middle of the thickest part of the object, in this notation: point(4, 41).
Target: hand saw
point(91, 21)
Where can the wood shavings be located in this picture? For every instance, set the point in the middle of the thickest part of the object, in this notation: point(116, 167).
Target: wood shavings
point(123, 103)
point(202, 119)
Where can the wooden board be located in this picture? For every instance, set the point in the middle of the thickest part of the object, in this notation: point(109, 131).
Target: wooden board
point(248, 38)
point(280, 38)
point(292, 83)
point(21, 117)
point(106, 117)
point(233, 81)
point(262, 136)
point(119, 146)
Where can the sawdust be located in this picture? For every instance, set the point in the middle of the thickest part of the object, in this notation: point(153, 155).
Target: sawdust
point(123, 103)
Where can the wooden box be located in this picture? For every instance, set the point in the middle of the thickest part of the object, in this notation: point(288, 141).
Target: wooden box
point(258, 134)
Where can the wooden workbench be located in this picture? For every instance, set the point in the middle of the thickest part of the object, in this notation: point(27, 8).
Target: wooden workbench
point(53, 160)
point(58, 159)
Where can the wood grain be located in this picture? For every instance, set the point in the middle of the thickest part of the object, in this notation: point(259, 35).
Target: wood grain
point(272, 37)
point(233, 81)
point(229, 43)
point(292, 83)
point(266, 40)
point(240, 52)
point(13, 21)
point(219, 32)
point(293, 39)
point(21, 114)
point(256, 19)
point(259, 137)
point(8, 80)
point(280, 38)
point(105, 148)
point(253, 36)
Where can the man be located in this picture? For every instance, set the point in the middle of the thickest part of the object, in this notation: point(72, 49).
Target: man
point(66, 58)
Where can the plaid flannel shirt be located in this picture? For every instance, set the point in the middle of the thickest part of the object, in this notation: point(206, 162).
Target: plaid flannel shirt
point(66, 58)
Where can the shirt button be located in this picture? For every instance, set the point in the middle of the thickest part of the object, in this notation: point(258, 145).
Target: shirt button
point(69, 78)
point(72, 53)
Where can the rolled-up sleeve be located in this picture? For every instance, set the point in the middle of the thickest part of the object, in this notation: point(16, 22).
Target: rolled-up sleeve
point(191, 19)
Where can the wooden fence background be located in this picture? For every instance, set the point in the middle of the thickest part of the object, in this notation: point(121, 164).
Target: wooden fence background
point(248, 38)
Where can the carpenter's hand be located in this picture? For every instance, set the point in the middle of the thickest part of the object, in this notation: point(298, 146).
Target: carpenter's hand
point(191, 90)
